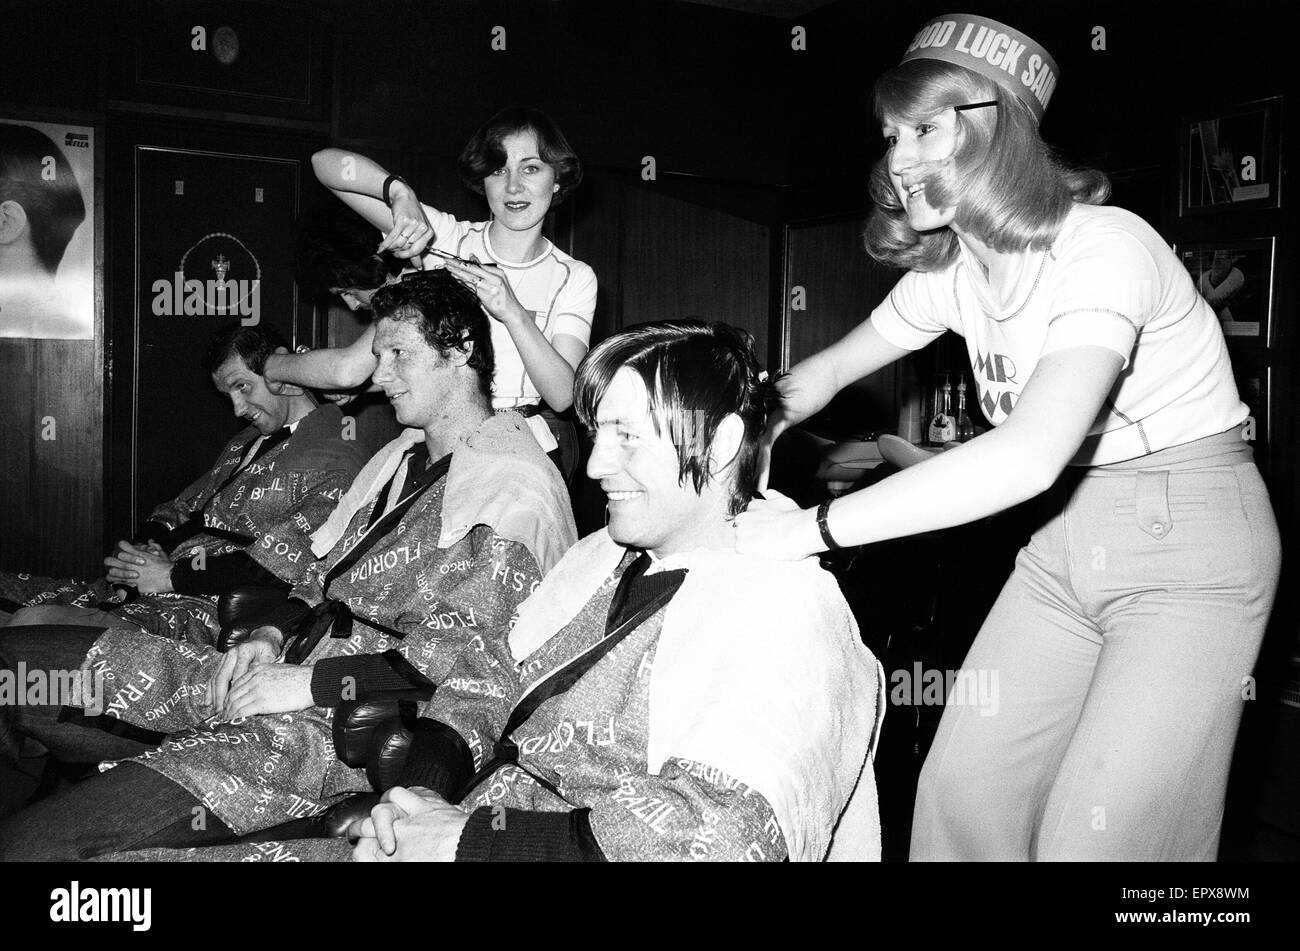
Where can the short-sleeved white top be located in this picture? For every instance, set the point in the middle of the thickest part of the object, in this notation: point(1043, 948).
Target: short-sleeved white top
point(1109, 280)
point(557, 289)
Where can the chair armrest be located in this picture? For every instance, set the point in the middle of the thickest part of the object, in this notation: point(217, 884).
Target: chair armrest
point(356, 720)
point(240, 610)
point(424, 752)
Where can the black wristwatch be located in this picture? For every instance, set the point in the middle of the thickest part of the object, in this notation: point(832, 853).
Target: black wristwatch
point(388, 183)
point(822, 511)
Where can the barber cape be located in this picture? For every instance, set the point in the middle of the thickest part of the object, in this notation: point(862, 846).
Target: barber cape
point(447, 579)
point(480, 490)
point(278, 501)
point(759, 672)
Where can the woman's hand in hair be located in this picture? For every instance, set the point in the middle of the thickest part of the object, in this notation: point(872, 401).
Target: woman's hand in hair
point(411, 231)
point(494, 292)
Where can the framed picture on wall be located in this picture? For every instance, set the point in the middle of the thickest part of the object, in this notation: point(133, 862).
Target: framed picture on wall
point(1232, 158)
point(1236, 278)
point(227, 55)
point(47, 230)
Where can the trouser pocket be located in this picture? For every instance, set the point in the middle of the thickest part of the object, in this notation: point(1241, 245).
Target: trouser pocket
point(1151, 497)
point(1156, 508)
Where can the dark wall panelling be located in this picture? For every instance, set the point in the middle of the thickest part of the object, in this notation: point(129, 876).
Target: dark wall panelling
point(841, 286)
point(51, 425)
point(63, 73)
point(253, 56)
point(691, 85)
point(50, 488)
point(683, 260)
point(588, 228)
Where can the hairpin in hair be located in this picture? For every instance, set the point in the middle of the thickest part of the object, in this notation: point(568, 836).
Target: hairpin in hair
point(975, 105)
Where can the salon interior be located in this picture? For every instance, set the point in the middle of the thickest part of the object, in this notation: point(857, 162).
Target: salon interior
point(727, 148)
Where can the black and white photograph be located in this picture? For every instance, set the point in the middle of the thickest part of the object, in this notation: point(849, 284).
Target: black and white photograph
point(1233, 159)
point(649, 431)
point(47, 230)
point(1236, 280)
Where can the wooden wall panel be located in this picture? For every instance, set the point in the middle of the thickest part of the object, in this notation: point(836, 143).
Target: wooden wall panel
point(685, 260)
point(51, 432)
point(588, 227)
point(16, 454)
point(51, 454)
point(841, 286)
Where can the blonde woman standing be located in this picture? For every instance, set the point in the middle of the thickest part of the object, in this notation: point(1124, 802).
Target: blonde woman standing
point(1123, 636)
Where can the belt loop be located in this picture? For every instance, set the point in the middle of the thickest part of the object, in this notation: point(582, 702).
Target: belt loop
point(1152, 497)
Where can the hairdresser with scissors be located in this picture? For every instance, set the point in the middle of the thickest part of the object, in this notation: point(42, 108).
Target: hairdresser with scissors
point(1124, 637)
point(541, 299)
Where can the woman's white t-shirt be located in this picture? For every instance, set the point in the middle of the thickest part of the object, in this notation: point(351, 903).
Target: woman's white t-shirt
point(558, 290)
point(1109, 280)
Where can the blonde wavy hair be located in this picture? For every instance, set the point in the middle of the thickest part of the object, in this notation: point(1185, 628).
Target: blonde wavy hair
point(1009, 189)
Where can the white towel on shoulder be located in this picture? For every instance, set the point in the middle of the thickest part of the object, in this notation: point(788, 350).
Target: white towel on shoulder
point(760, 672)
point(498, 477)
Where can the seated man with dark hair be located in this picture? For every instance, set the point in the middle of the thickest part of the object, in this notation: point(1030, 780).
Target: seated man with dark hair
point(422, 567)
point(246, 521)
point(678, 701)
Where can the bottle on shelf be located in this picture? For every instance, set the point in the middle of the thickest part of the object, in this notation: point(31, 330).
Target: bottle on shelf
point(943, 426)
point(965, 428)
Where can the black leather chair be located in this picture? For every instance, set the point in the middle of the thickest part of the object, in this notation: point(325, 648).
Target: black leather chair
point(379, 736)
point(241, 609)
point(375, 735)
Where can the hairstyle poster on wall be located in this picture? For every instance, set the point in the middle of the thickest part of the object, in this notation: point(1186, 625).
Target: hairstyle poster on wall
point(47, 230)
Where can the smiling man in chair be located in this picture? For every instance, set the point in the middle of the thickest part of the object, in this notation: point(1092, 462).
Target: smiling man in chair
point(245, 521)
point(422, 566)
point(678, 701)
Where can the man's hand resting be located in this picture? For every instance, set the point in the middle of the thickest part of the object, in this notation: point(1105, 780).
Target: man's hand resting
point(269, 688)
point(260, 648)
point(147, 567)
point(409, 825)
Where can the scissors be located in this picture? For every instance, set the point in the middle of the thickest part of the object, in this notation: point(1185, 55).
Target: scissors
point(451, 257)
